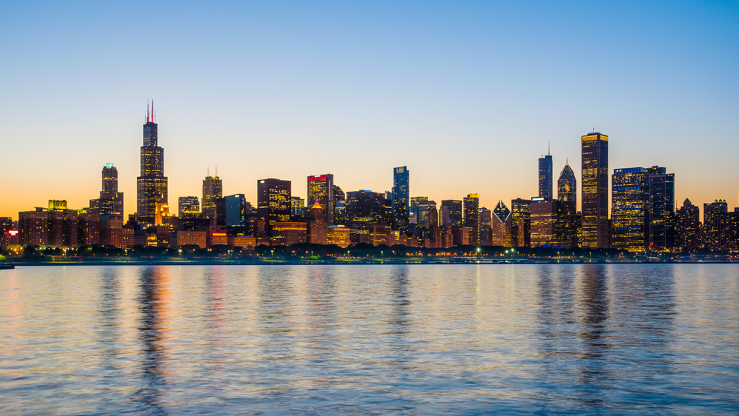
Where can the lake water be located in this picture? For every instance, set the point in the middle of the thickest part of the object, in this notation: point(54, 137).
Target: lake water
point(461, 339)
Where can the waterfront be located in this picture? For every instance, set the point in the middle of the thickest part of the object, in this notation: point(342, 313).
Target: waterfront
point(322, 339)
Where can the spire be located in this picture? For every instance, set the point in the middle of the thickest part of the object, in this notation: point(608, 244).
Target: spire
point(208, 171)
point(147, 110)
point(152, 110)
point(549, 143)
point(216, 171)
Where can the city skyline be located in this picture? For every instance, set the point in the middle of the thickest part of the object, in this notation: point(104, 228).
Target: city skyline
point(468, 111)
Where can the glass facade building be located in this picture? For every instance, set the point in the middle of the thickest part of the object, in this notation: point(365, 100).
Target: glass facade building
point(545, 177)
point(472, 217)
point(367, 207)
point(401, 198)
point(595, 190)
point(188, 207)
point(567, 185)
point(630, 210)
point(274, 202)
point(321, 190)
point(661, 209)
point(454, 207)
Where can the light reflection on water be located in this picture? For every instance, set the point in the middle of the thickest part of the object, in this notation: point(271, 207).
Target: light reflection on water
point(375, 339)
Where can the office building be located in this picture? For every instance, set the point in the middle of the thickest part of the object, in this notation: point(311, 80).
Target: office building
point(317, 225)
point(6, 224)
point(553, 224)
point(567, 185)
point(367, 207)
point(188, 207)
point(630, 210)
point(289, 232)
point(321, 190)
point(236, 210)
point(401, 198)
point(688, 227)
point(545, 177)
point(297, 206)
point(661, 209)
point(339, 235)
point(212, 190)
point(502, 234)
point(454, 208)
point(716, 226)
point(274, 202)
point(110, 201)
point(486, 226)
point(152, 184)
point(472, 217)
point(594, 191)
point(521, 222)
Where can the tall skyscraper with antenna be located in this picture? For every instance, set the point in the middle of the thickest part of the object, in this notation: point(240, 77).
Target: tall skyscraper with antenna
point(545, 176)
point(152, 184)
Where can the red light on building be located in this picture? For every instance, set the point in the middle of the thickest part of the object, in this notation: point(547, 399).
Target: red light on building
point(317, 178)
point(12, 233)
point(219, 234)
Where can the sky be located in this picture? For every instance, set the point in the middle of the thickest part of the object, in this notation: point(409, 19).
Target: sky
point(468, 95)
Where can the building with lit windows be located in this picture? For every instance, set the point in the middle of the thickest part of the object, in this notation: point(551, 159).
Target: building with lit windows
point(567, 185)
point(212, 191)
point(502, 226)
point(367, 207)
point(400, 198)
point(716, 225)
point(188, 207)
point(152, 184)
point(472, 217)
point(552, 224)
point(297, 206)
point(454, 209)
point(688, 227)
point(545, 177)
point(236, 210)
point(288, 233)
point(594, 191)
point(110, 201)
point(521, 222)
point(661, 209)
point(321, 190)
point(274, 202)
point(630, 210)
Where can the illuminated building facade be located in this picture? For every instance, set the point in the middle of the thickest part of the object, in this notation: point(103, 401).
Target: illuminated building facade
point(552, 224)
point(297, 205)
point(289, 232)
point(545, 177)
point(419, 211)
point(212, 190)
point(236, 210)
point(594, 191)
point(6, 224)
point(321, 190)
point(567, 185)
point(188, 207)
point(472, 217)
point(630, 211)
point(502, 230)
point(367, 207)
point(486, 226)
point(317, 226)
point(688, 227)
point(401, 198)
point(274, 202)
point(716, 225)
point(661, 208)
point(110, 201)
point(521, 222)
point(152, 184)
point(454, 208)
point(339, 235)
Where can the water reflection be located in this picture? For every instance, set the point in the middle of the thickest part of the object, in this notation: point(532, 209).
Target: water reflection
point(154, 286)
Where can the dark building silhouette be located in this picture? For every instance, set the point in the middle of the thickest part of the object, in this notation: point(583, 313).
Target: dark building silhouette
point(367, 207)
point(236, 210)
point(400, 198)
point(567, 185)
point(486, 226)
point(688, 227)
point(152, 184)
point(110, 201)
point(454, 208)
point(321, 190)
point(595, 190)
point(630, 211)
point(661, 208)
point(545, 177)
point(274, 202)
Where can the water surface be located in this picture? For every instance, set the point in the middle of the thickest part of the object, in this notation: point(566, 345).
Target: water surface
point(465, 339)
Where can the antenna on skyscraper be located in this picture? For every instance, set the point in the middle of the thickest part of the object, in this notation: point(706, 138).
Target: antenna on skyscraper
point(208, 171)
point(549, 147)
point(216, 171)
point(152, 110)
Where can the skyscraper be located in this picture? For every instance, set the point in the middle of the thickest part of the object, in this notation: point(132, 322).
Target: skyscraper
point(472, 217)
point(401, 197)
point(716, 225)
point(454, 207)
point(486, 226)
point(502, 226)
point(188, 207)
point(661, 208)
point(212, 190)
point(152, 184)
point(521, 222)
point(567, 185)
point(545, 177)
point(321, 190)
point(236, 210)
point(630, 212)
point(274, 202)
point(595, 190)
point(688, 227)
point(110, 201)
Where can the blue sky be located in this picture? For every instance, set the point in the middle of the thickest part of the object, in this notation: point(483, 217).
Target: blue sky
point(466, 94)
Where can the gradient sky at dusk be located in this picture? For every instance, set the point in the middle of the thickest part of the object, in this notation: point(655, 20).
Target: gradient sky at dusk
point(466, 94)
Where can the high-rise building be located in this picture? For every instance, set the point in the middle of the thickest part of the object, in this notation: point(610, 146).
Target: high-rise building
point(188, 207)
point(212, 190)
point(237, 209)
point(152, 184)
point(367, 207)
point(297, 205)
point(521, 222)
point(661, 208)
point(486, 226)
point(401, 198)
point(688, 227)
point(594, 190)
point(110, 201)
point(567, 185)
point(502, 226)
point(419, 211)
point(716, 226)
point(321, 190)
point(545, 177)
point(472, 217)
point(630, 211)
point(274, 202)
point(553, 223)
point(454, 206)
